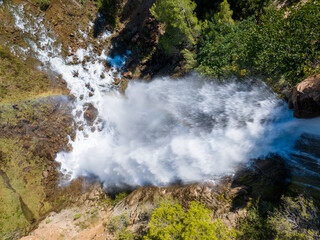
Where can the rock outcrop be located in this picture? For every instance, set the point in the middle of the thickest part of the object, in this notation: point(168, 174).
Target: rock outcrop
point(90, 114)
point(305, 98)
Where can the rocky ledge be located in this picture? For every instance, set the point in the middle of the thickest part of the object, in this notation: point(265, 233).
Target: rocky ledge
point(305, 98)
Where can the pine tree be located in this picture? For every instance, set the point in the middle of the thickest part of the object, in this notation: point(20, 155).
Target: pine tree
point(225, 14)
point(179, 17)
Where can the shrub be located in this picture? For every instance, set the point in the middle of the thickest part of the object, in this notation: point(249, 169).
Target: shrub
point(289, 42)
point(118, 225)
point(255, 226)
point(119, 197)
point(111, 9)
point(44, 4)
point(294, 218)
point(284, 45)
point(77, 216)
point(227, 49)
point(170, 221)
point(297, 218)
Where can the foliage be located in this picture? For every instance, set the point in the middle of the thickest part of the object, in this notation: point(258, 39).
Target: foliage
point(225, 14)
point(285, 44)
point(190, 58)
point(246, 8)
point(207, 8)
point(77, 216)
point(224, 49)
point(181, 23)
point(44, 4)
point(297, 218)
point(110, 8)
point(118, 223)
point(118, 226)
point(255, 225)
point(119, 197)
point(170, 221)
point(290, 45)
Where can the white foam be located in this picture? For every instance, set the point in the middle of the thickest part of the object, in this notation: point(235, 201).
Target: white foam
point(183, 130)
point(165, 130)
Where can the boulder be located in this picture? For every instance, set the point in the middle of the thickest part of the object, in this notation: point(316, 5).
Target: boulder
point(305, 98)
point(128, 75)
point(116, 81)
point(90, 114)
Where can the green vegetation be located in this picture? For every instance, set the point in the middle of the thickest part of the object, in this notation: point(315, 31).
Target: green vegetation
point(18, 80)
point(44, 4)
point(77, 216)
point(117, 198)
point(118, 225)
point(20, 180)
point(181, 24)
point(225, 14)
point(295, 218)
point(280, 44)
point(283, 45)
point(246, 8)
point(255, 226)
point(170, 221)
point(111, 9)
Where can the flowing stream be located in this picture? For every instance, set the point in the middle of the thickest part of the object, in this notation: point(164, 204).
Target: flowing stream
point(166, 130)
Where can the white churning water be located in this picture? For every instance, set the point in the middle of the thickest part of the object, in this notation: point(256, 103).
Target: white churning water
point(165, 130)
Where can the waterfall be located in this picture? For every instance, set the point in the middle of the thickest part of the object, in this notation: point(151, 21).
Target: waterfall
point(164, 131)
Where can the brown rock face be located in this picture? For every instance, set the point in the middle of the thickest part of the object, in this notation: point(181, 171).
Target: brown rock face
point(90, 114)
point(305, 98)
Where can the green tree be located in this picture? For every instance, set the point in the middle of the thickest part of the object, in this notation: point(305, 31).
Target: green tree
point(289, 41)
point(170, 221)
point(182, 27)
point(225, 14)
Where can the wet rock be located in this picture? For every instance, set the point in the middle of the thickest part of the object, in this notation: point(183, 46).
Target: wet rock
point(76, 74)
point(216, 197)
point(116, 81)
point(102, 76)
point(69, 148)
point(90, 114)
point(128, 75)
point(305, 98)
point(267, 179)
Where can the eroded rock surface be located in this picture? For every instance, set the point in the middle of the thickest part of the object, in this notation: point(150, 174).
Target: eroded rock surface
point(305, 98)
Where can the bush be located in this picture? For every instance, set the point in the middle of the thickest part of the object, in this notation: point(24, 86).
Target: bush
point(297, 218)
point(290, 45)
point(44, 4)
point(118, 223)
point(294, 218)
point(77, 216)
point(255, 226)
point(227, 49)
point(119, 197)
point(111, 9)
point(170, 221)
point(285, 44)
point(118, 226)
